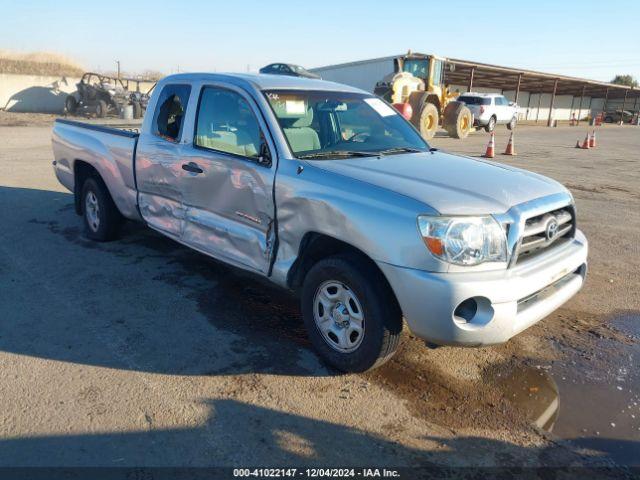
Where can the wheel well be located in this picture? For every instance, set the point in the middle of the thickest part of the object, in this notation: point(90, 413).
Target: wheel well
point(81, 171)
point(316, 246)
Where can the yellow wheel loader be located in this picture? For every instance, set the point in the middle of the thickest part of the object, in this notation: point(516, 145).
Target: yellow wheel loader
point(419, 81)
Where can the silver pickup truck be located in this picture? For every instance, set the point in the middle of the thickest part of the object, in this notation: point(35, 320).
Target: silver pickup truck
point(327, 191)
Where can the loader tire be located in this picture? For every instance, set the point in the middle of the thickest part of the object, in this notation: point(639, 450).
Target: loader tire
point(458, 120)
point(425, 119)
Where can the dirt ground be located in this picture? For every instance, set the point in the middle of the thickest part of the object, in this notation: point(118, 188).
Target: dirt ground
point(143, 352)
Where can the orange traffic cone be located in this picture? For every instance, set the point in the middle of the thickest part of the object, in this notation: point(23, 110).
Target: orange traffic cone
point(511, 148)
point(491, 147)
point(585, 143)
point(592, 140)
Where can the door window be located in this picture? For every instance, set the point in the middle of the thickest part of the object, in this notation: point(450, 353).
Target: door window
point(225, 123)
point(170, 109)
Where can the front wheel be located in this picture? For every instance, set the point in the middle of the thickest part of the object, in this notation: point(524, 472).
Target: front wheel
point(512, 124)
point(351, 315)
point(101, 216)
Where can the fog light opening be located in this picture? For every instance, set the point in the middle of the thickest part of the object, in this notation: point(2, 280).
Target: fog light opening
point(465, 312)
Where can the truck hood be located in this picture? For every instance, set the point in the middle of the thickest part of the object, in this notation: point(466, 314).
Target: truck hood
point(450, 184)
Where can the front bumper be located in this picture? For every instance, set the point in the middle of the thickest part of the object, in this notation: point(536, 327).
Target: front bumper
point(508, 301)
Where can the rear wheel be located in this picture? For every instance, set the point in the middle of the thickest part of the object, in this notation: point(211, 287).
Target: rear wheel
point(490, 127)
point(350, 313)
point(101, 216)
point(512, 124)
point(137, 110)
point(71, 104)
point(101, 109)
point(457, 119)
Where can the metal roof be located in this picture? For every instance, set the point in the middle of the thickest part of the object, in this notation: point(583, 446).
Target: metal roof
point(506, 78)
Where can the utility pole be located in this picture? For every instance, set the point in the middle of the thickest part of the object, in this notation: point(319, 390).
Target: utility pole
point(118, 64)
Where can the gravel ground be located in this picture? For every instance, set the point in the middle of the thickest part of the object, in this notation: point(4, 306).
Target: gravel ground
point(142, 352)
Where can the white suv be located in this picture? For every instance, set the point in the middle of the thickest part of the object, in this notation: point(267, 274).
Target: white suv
point(490, 109)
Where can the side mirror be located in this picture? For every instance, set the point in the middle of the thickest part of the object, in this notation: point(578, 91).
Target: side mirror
point(264, 158)
point(512, 104)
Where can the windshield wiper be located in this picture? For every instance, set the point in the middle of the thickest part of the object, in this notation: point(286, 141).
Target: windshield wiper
point(391, 151)
point(338, 153)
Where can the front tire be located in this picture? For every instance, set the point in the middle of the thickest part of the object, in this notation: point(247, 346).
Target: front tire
point(101, 216)
point(512, 124)
point(352, 317)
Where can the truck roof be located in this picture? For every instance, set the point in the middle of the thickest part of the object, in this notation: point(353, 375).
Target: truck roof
point(262, 81)
point(479, 94)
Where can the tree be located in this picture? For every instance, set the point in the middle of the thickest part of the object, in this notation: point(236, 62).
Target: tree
point(625, 80)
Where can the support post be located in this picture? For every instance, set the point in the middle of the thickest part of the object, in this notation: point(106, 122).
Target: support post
point(553, 100)
point(471, 75)
point(518, 88)
point(580, 108)
point(573, 99)
point(624, 102)
point(539, 100)
point(606, 100)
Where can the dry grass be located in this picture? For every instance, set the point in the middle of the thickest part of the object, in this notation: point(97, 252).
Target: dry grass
point(38, 63)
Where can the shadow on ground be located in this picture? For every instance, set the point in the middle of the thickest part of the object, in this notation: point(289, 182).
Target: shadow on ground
point(238, 434)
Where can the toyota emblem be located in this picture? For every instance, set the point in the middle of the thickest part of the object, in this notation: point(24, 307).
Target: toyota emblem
point(552, 229)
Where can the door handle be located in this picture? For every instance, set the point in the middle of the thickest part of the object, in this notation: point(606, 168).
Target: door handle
point(192, 167)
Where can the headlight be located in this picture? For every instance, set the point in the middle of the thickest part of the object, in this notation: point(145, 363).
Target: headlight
point(464, 240)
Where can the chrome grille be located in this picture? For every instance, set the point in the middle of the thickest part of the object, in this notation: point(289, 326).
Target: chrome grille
point(544, 231)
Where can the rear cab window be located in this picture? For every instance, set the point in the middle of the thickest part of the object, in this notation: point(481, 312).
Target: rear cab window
point(471, 100)
point(168, 119)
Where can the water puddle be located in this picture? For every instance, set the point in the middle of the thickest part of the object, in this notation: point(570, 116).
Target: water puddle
point(591, 400)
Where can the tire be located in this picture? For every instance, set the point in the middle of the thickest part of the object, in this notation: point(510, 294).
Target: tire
point(608, 119)
point(100, 215)
point(491, 126)
point(458, 120)
point(71, 104)
point(425, 119)
point(137, 110)
point(101, 109)
point(366, 294)
point(512, 124)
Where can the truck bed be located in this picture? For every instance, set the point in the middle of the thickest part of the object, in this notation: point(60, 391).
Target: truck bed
point(108, 149)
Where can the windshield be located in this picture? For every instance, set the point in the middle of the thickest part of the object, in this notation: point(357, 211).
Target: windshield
point(335, 124)
point(417, 67)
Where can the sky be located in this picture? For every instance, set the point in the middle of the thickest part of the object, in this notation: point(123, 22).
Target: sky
point(591, 39)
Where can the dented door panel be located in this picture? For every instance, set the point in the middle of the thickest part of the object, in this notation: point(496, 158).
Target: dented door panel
point(229, 208)
point(158, 174)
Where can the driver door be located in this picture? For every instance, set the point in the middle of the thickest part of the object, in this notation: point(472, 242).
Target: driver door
point(227, 186)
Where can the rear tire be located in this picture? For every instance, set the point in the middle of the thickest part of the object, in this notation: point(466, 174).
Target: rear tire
point(101, 109)
point(491, 126)
point(458, 120)
point(101, 216)
point(360, 299)
point(137, 110)
point(71, 104)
